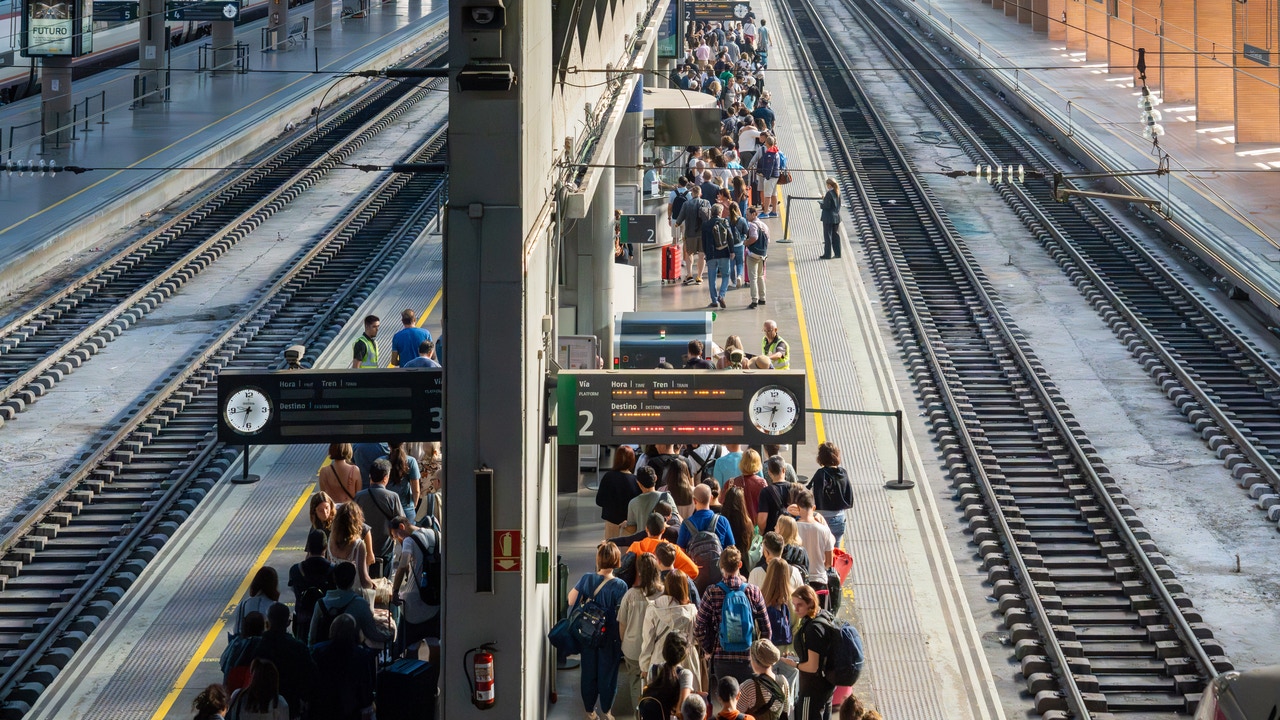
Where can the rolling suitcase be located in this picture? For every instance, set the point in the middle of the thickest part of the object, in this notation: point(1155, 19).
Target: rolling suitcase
point(671, 263)
point(407, 689)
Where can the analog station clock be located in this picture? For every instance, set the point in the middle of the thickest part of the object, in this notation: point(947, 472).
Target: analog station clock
point(247, 411)
point(774, 410)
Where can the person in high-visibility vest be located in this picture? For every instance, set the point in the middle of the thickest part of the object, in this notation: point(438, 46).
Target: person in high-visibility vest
point(364, 354)
point(774, 347)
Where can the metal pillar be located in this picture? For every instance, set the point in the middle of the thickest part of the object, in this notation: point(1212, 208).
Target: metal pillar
point(153, 41)
point(498, 466)
point(55, 99)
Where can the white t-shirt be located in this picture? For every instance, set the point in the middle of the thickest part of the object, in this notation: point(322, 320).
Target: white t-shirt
point(817, 541)
point(416, 610)
point(756, 577)
point(747, 139)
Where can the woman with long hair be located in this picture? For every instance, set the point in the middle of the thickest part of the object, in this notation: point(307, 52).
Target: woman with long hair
point(813, 701)
point(672, 614)
point(740, 229)
point(599, 679)
point(680, 486)
point(636, 605)
point(671, 682)
point(751, 482)
point(261, 700)
point(780, 581)
point(831, 221)
point(617, 488)
point(347, 543)
point(405, 479)
point(740, 194)
point(264, 591)
point(733, 506)
point(340, 479)
point(793, 547)
point(322, 512)
point(211, 703)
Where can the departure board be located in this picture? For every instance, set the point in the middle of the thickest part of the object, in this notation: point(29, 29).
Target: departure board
point(324, 406)
point(614, 407)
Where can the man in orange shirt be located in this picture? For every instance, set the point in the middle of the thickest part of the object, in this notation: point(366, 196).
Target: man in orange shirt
point(654, 528)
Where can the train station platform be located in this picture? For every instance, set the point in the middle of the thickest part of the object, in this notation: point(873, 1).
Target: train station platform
point(1223, 193)
point(925, 659)
point(144, 157)
point(161, 644)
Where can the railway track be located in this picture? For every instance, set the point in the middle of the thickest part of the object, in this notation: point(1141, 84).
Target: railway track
point(1216, 377)
point(43, 345)
point(1097, 619)
point(65, 566)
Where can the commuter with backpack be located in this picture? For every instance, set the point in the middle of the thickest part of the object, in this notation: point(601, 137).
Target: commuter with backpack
point(828, 654)
point(310, 579)
point(704, 536)
point(731, 617)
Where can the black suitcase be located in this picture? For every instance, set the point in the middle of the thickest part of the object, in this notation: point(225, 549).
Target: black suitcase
point(407, 691)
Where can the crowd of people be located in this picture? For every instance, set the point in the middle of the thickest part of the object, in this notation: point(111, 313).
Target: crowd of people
point(368, 587)
point(717, 575)
point(718, 205)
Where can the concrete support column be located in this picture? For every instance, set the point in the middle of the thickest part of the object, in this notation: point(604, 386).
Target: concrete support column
point(152, 42)
point(626, 146)
point(499, 469)
point(55, 99)
point(278, 20)
point(224, 46)
point(323, 14)
point(601, 245)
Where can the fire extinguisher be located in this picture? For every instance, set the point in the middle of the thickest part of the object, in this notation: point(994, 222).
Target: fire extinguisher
point(483, 685)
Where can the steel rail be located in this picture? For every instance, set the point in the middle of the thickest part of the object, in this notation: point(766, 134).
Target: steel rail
point(1024, 200)
point(204, 367)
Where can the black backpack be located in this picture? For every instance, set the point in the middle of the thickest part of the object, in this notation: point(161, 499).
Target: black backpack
point(721, 235)
point(303, 609)
point(678, 203)
point(704, 549)
point(429, 575)
point(327, 616)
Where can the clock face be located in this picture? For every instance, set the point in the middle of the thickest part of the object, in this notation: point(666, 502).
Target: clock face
point(774, 410)
point(247, 411)
point(741, 10)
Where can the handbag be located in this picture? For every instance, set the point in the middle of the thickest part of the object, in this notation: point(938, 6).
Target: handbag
point(784, 178)
point(843, 562)
point(563, 635)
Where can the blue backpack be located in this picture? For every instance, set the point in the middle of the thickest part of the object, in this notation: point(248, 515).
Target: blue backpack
point(843, 661)
point(780, 624)
point(737, 626)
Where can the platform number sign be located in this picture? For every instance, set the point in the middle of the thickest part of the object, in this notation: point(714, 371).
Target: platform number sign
point(612, 407)
point(642, 229)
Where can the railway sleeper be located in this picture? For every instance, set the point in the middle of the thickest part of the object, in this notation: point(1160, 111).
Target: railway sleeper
point(1048, 682)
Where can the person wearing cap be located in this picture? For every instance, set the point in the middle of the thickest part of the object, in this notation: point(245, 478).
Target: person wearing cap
point(764, 695)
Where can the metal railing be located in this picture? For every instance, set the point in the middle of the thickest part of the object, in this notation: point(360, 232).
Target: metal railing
point(901, 482)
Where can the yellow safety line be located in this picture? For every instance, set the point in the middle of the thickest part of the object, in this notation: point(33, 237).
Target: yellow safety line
point(430, 308)
point(216, 630)
point(193, 134)
point(811, 371)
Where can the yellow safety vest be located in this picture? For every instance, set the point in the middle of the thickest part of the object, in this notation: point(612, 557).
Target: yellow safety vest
point(783, 363)
point(371, 352)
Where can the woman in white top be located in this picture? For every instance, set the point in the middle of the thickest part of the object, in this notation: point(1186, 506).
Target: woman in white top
point(264, 591)
point(261, 700)
point(671, 614)
point(636, 605)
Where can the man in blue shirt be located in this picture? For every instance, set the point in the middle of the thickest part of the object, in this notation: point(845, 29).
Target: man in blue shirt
point(404, 344)
point(701, 520)
point(425, 358)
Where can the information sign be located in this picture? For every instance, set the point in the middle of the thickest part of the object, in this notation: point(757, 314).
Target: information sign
point(613, 407)
point(115, 10)
point(202, 10)
point(716, 10)
point(641, 229)
point(506, 551)
point(324, 406)
point(56, 28)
